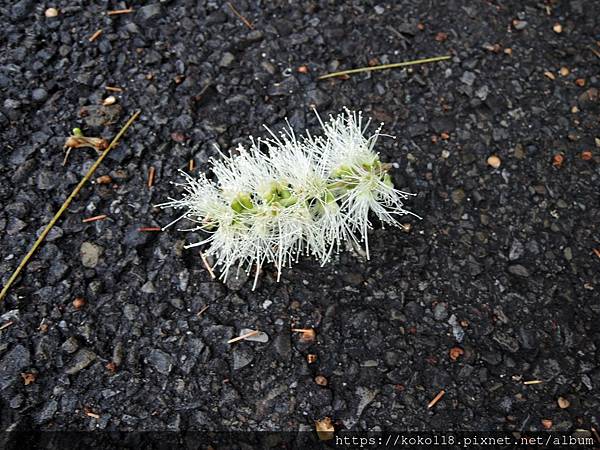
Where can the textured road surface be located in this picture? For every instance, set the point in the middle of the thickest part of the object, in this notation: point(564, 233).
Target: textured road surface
point(501, 268)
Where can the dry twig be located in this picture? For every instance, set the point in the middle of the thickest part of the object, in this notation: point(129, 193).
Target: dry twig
point(385, 66)
point(242, 18)
point(95, 218)
point(436, 399)
point(96, 35)
point(142, 229)
point(118, 12)
point(243, 336)
point(6, 325)
point(205, 262)
point(151, 173)
point(199, 313)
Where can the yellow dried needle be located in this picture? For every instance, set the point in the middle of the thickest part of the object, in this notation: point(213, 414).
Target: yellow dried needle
point(386, 66)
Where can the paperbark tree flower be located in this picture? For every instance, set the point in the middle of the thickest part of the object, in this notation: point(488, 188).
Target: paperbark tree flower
point(285, 196)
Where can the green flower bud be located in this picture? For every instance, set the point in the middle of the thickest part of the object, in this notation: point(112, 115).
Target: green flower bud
point(242, 202)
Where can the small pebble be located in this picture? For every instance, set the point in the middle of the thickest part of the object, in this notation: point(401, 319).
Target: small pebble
point(109, 100)
point(557, 28)
point(563, 403)
point(39, 94)
point(519, 24)
point(564, 71)
point(51, 12)
point(494, 161)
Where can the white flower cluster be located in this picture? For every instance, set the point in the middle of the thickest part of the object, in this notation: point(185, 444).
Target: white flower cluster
point(302, 196)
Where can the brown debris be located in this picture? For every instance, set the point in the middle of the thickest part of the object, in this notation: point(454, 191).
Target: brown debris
point(118, 12)
point(113, 89)
point(6, 325)
point(311, 358)
point(303, 69)
point(308, 334)
point(151, 173)
point(321, 380)
point(75, 141)
point(436, 399)
point(143, 229)
point(547, 423)
point(95, 36)
point(243, 336)
point(455, 353)
point(580, 82)
point(242, 18)
point(586, 155)
point(495, 48)
point(441, 36)
point(207, 265)
point(29, 378)
point(557, 160)
point(78, 303)
point(88, 412)
point(95, 218)
point(104, 179)
point(325, 429)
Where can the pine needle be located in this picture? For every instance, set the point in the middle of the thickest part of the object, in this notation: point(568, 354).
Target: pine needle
point(64, 206)
point(386, 66)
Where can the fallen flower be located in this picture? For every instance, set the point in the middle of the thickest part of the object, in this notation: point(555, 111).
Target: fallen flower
point(78, 140)
point(306, 196)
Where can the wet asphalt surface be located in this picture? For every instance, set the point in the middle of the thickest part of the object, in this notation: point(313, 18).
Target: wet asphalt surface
point(497, 285)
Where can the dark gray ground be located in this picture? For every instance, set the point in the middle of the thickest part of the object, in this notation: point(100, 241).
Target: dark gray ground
point(502, 265)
